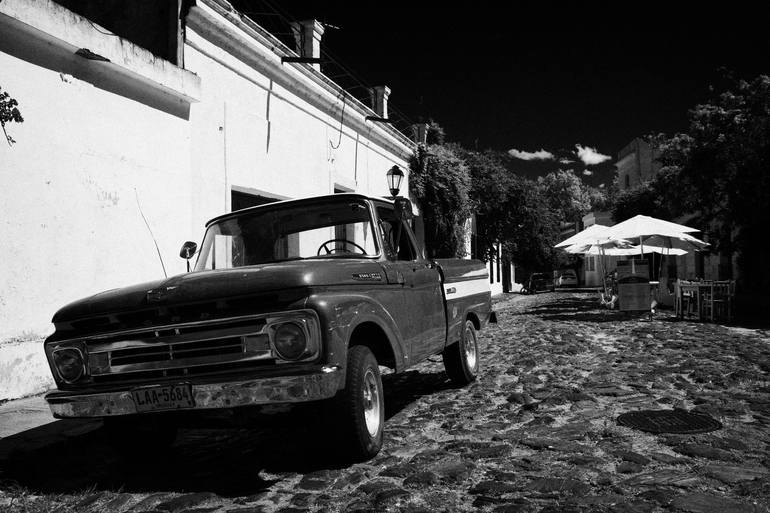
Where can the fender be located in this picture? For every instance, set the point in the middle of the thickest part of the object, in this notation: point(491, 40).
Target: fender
point(341, 312)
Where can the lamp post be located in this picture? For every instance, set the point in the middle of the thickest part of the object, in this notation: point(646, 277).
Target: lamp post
point(394, 176)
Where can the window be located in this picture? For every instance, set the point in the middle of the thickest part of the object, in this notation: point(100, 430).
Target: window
point(590, 264)
point(287, 233)
point(398, 245)
point(241, 200)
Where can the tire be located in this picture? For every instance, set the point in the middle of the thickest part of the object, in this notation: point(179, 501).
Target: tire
point(361, 406)
point(137, 435)
point(461, 359)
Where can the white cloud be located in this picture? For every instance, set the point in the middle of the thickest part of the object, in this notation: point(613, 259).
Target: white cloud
point(531, 155)
point(587, 172)
point(565, 160)
point(590, 156)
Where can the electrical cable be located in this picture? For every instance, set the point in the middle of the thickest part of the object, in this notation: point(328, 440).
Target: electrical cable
point(151, 234)
point(342, 119)
point(96, 28)
point(287, 18)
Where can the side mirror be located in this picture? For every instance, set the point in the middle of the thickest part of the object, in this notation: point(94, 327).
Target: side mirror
point(188, 251)
point(403, 209)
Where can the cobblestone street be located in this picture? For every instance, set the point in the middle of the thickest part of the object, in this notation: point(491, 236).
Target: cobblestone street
point(536, 432)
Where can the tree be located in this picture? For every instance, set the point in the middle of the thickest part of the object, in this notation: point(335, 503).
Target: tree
point(565, 194)
point(533, 228)
point(511, 211)
point(440, 182)
point(490, 183)
point(723, 163)
point(716, 172)
point(9, 113)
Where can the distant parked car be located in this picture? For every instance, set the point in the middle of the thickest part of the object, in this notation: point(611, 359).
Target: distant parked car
point(536, 282)
point(567, 278)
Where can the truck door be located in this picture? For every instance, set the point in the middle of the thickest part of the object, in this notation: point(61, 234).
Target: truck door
point(422, 321)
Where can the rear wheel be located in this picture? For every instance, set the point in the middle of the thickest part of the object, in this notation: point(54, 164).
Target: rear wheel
point(362, 406)
point(461, 359)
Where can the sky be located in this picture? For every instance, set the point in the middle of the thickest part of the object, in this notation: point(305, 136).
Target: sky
point(555, 87)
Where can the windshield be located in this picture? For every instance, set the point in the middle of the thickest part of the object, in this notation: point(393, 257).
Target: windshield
point(332, 229)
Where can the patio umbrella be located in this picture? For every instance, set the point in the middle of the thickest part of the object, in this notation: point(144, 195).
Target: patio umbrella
point(590, 234)
point(683, 242)
point(644, 228)
point(634, 250)
point(597, 245)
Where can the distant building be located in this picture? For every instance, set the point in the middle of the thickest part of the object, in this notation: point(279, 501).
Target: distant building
point(636, 163)
point(592, 265)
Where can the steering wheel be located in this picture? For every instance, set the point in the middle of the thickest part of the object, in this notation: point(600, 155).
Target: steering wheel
point(329, 250)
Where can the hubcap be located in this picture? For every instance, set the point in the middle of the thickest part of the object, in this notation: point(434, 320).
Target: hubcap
point(470, 347)
point(371, 403)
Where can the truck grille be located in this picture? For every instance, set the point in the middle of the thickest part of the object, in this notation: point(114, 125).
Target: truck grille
point(182, 350)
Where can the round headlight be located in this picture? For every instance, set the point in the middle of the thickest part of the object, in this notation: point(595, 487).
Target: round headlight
point(289, 340)
point(69, 363)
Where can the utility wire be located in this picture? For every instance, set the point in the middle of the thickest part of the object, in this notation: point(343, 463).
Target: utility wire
point(342, 119)
point(151, 234)
point(360, 83)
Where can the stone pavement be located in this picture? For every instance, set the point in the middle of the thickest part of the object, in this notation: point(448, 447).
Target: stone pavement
point(536, 432)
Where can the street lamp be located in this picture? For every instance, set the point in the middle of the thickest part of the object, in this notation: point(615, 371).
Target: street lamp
point(394, 176)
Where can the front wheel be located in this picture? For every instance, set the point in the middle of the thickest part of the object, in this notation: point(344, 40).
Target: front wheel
point(461, 359)
point(362, 405)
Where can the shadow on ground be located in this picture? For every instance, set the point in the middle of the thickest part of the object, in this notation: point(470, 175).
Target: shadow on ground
point(224, 458)
point(586, 309)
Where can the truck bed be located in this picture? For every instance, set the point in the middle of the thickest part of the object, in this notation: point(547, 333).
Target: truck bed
point(466, 294)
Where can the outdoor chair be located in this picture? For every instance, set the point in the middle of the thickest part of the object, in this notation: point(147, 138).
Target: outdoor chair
point(716, 303)
point(687, 298)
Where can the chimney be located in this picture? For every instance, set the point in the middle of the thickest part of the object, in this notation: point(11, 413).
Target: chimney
point(420, 132)
point(307, 35)
point(379, 96)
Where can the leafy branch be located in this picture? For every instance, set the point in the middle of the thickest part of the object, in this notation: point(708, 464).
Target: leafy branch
point(9, 113)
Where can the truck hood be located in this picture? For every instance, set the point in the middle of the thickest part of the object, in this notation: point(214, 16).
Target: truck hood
point(221, 284)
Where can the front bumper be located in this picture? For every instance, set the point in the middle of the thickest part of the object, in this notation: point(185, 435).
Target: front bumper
point(273, 390)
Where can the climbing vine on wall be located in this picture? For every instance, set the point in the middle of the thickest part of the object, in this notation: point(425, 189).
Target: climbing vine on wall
point(440, 182)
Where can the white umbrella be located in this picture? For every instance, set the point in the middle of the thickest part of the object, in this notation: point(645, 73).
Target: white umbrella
point(683, 242)
point(590, 234)
point(666, 233)
point(599, 246)
point(644, 226)
point(634, 250)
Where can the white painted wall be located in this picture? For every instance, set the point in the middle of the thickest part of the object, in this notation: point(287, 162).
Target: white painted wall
point(71, 225)
point(250, 133)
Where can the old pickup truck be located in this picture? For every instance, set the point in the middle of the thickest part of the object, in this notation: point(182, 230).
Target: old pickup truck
point(294, 301)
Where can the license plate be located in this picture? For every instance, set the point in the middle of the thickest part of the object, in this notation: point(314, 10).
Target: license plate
point(167, 397)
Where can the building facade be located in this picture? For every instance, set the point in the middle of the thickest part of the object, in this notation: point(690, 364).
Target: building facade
point(123, 148)
point(636, 164)
point(594, 265)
